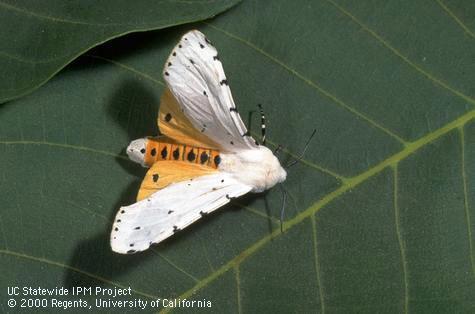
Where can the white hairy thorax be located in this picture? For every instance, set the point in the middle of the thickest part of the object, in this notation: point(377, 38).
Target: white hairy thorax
point(258, 168)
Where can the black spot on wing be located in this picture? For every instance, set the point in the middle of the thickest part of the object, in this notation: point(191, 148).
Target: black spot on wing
point(131, 251)
point(168, 117)
point(202, 46)
point(142, 150)
point(137, 228)
point(155, 177)
point(170, 211)
point(167, 74)
point(174, 54)
point(233, 109)
point(224, 82)
point(192, 62)
point(179, 46)
point(216, 57)
point(169, 63)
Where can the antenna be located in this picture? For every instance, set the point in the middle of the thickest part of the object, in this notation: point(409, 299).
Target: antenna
point(299, 158)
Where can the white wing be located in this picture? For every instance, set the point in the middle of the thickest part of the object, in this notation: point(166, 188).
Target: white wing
point(196, 78)
point(167, 211)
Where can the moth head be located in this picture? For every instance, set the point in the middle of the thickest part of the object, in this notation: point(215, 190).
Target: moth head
point(277, 173)
point(137, 149)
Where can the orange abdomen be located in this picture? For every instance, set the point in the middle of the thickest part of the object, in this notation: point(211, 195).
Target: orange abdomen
point(165, 149)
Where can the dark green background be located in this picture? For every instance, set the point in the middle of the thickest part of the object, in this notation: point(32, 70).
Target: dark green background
point(381, 218)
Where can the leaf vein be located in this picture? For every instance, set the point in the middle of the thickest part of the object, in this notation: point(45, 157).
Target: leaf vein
point(178, 268)
point(309, 82)
point(72, 268)
point(317, 264)
point(402, 247)
point(466, 205)
point(69, 146)
point(456, 19)
point(238, 288)
point(416, 67)
point(205, 251)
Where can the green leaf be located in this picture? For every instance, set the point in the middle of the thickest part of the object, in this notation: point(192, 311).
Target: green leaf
point(381, 216)
point(38, 39)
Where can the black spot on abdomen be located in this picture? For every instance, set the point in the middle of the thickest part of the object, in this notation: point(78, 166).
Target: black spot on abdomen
point(191, 156)
point(217, 160)
point(203, 157)
point(176, 154)
point(164, 153)
point(153, 152)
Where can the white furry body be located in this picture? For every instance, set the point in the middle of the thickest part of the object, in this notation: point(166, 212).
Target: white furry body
point(258, 168)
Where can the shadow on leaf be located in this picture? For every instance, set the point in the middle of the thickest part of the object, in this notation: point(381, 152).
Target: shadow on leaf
point(134, 107)
point(110, 265)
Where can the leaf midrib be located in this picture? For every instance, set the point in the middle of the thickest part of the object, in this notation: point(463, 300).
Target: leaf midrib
point(315, 207)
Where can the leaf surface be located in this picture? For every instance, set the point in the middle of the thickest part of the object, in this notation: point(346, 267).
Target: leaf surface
point(38, 39)
point(381, 215)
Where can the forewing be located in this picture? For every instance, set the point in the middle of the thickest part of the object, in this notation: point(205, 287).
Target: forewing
point(173, 123)
point(196, 78)
point(171, 209)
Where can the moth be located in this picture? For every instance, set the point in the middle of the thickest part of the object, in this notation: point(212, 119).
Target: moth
point(203, 158)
